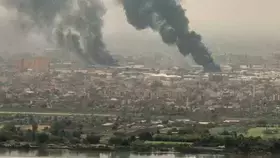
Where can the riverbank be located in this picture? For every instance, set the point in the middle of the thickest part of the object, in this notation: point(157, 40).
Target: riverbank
point(123, 154)
point(95, 154)
point(111, 148)
point(68, 133)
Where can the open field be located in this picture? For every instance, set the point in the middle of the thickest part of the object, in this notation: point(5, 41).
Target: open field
point(237, 129)
point(29, 127)
point(259, 132)
point(249, 132)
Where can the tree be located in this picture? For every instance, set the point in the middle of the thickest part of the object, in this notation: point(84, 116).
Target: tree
point(275, 146)
point(132, 139)
point(116, 140)
point(125, 142)
point(34, 129)
point(93, 139)
point(214, 115)
point(262, 123)
point(225, 133)
point(145, 136)
point(5, 136)
point(230, 142)
point(28, 135)
point(165, 122)
point(80, 127)
point(234, 134)
point(77, 134)
point(74, 141)
point(56, 127)
point(244, 147)
point(156, 84)
point(42, 138)
point(169, 132)
point(10, 127)
point(186, 131)
point(56, 139)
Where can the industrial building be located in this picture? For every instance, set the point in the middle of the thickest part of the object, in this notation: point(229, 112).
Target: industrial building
point(36, 64)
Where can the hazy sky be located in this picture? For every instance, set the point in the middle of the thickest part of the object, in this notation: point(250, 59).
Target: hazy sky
point(235, 26)
point(237, 21)
point(218, 16)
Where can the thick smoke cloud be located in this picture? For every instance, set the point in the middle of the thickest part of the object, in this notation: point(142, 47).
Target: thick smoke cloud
point(75, 24)
point(41, 12)
point(168, 18)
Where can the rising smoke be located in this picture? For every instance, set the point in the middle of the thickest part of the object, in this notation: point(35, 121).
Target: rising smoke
point(168, 18)
point(75, 24)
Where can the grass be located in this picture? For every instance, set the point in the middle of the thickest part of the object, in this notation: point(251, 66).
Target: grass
point(237, 129)
point(251, 132)
point(258, 132)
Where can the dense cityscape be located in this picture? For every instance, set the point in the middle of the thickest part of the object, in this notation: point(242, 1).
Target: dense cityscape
point(75, 106)
point(139, 79)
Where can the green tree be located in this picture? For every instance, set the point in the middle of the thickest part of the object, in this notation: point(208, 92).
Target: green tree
point(169, 132)
point(262, 123)
point(156, 84)
point(57, 127)
point(56, 139)
point(93, 139)
point(116, 140)
point(28, 136)
point(132, 139)
point(183, 131)
point(81, 127)
point(225, 133)
point(77, 134)
point(5, 136)
point(9, 127)
point(42, 138)
point(74, 141)
point(145, 136)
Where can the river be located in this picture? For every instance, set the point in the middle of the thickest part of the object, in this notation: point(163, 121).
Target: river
point(75, 154)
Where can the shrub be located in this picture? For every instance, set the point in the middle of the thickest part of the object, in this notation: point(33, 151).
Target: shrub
point(93, 139)
point(146, 136)
point(42, 138)
point(56, 139)
point(115, 140)
point(74, 141)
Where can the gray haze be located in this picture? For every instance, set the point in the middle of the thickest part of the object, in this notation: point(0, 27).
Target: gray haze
point(235, 26)
point(231, 26)
point(13, 39)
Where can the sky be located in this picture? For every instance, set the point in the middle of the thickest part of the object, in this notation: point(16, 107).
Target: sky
point(225, 25)
point(254, 17)
point(12, 39)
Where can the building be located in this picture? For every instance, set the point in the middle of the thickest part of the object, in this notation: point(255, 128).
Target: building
point(36, 64)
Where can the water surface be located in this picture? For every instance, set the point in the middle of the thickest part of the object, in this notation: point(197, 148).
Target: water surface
point(4, 153)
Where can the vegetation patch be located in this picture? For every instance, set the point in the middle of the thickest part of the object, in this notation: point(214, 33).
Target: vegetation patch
point(167, 143)
point(264, 132)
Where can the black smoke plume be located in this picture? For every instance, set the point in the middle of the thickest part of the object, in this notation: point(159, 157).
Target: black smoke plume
point(71, 40)
point(63, 16)
point(168, 18)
